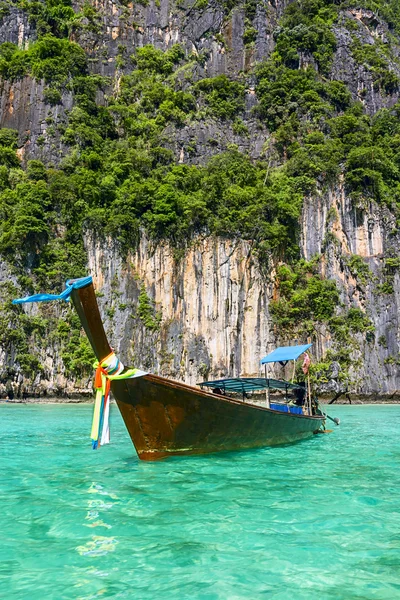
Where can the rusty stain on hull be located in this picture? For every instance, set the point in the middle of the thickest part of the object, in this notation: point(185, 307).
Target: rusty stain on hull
point(166, 418)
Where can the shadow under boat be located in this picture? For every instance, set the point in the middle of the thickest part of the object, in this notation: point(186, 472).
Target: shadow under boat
point(166, 417)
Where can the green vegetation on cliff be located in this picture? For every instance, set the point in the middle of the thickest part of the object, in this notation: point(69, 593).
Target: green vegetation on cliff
point(120, 175)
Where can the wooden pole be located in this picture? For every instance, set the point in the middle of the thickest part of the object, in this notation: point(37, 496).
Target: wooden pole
point(309, 384)
point(267, 390)
point(309, 394)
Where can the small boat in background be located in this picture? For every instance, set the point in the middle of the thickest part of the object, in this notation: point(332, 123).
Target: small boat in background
point(166, 418)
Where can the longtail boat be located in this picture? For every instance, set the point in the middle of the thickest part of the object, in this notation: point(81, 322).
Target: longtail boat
point(166, 417)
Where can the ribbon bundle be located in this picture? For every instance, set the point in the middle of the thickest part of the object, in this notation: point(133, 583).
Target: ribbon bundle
point(107, 370)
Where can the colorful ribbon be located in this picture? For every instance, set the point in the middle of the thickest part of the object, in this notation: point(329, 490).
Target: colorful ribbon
point(107, 370)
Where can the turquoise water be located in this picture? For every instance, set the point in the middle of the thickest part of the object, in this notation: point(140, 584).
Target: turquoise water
point(320, 519)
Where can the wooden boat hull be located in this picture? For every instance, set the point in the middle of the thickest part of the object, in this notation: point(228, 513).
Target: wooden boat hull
point(165, 417)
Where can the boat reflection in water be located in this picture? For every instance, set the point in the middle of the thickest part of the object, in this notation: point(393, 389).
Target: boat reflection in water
point(166, 417)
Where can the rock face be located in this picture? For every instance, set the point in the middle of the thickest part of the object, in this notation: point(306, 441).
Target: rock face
point(117, 30)
point(358, 77)
point(206, 314)
point(212, 305)
point(367, 231)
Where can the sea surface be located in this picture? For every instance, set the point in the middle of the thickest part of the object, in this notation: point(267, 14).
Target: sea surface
point(318, 519)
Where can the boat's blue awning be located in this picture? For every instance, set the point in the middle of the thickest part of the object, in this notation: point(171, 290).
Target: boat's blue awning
point(249, 384)
point(285, 353)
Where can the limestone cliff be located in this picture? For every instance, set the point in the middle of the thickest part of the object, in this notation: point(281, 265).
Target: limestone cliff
point(116, 30)
point(208, 312)
point(212, 306)
point(205, 313)
point(214, 302)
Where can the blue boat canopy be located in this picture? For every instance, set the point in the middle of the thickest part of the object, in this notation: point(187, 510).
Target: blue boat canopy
point(285, 353)
point(249, 384)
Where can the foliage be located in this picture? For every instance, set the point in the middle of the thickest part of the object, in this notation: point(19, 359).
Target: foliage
point(52, 96)
point(306, 28)
point(307, 303)
point(8, 138)
point(76, 352)
point(358, 268)
point(25, 226)
point(290, 94)
point(373, 58)
point(321, 133)
point(224, 96)
point(387, 10)
point(51, 16)
point(390, 268)
point(146, 311)
point(305, 298)
point(49, 58)
point(18, 332)
point(249, 35)
point(149, 58)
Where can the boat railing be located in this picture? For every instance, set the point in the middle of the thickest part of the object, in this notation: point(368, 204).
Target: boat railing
point(252, 388)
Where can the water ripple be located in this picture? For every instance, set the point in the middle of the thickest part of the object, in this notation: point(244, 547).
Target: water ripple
point(320, 519)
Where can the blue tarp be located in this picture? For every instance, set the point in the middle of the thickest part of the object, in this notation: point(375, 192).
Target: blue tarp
point(285, 353)
point(295, 410)
point(71, 284)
